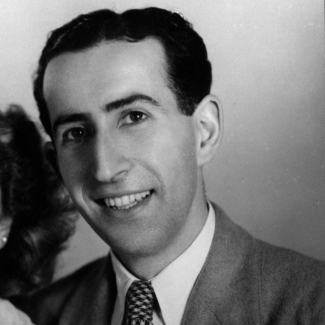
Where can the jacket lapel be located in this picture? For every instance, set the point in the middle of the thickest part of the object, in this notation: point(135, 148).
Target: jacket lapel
point(94, 302)
point(226, 289)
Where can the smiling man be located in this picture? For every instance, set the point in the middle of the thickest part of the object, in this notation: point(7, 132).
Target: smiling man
point(126, 100)
point(127, 155)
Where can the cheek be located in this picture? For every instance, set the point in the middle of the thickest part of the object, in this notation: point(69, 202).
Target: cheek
point(175, 159)
point(182, 148)
point(174, 140)
point(72, 169)
point(185, 167)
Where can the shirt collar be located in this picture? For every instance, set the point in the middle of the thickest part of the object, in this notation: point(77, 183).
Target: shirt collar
point(173, 284)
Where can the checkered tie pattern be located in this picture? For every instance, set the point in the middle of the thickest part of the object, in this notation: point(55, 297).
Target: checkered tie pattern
point(139, 303)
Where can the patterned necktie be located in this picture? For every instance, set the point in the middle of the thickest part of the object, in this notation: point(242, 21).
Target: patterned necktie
point(139, 303)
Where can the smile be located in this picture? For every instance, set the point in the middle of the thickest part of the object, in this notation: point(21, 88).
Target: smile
point(126, 201)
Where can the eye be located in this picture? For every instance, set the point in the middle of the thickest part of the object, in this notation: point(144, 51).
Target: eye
point(134, 117)
point(76, 133)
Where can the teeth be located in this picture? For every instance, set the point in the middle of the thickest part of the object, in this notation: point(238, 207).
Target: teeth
point(118, 202)
point(126, 201)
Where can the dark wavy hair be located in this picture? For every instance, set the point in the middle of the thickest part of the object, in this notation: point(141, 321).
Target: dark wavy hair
point(188, 68)
point(35, 200)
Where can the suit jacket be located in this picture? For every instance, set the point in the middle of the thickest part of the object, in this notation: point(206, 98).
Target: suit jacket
point(243, 281)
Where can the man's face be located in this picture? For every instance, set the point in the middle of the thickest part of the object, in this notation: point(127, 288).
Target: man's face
point(125, 152)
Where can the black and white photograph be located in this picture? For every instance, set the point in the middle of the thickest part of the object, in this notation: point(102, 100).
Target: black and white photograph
point(162, 162)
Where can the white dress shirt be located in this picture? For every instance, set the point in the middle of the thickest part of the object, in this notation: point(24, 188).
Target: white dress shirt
point(173, 284)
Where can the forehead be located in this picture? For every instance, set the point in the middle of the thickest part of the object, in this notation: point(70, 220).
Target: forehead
point(106, 71)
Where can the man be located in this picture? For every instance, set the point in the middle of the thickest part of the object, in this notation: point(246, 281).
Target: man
point(126, 100)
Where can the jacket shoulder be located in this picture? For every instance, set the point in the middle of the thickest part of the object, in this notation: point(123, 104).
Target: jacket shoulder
point(271, 284)
point(292, 284)
point(46, 306)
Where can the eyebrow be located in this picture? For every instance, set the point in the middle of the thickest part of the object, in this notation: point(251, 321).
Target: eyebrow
point(130, 100)
point(70, 118)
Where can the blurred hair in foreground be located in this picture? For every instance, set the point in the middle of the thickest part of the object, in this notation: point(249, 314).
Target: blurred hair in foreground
point(35, 200)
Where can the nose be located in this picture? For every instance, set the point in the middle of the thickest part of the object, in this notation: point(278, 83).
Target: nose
point(109, 161)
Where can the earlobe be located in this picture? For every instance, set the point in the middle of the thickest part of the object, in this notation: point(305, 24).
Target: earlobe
point(208, 117)
point(51, 156)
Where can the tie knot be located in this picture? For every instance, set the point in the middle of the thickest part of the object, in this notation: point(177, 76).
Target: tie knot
point(139, 303)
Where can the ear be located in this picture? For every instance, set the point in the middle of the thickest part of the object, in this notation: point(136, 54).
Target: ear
point(5, 226)
point(51, 156)
point(208, 119)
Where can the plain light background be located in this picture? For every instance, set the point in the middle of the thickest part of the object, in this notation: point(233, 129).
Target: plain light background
point(268, 69)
